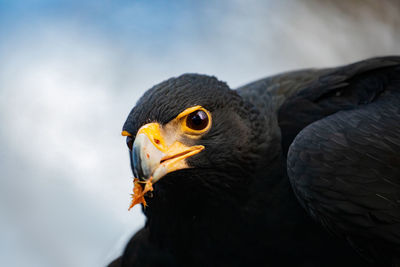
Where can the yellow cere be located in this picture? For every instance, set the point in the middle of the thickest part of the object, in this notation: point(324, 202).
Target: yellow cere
point(153, 131)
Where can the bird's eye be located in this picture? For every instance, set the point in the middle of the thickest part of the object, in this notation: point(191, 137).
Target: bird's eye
point(197, 120)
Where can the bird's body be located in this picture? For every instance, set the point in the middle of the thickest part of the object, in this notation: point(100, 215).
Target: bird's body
point(283, 156)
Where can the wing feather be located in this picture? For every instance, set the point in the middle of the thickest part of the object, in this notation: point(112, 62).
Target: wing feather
point(345, 170)
point(343, 131)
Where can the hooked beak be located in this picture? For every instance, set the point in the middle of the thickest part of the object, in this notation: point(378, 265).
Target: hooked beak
point(152, 155)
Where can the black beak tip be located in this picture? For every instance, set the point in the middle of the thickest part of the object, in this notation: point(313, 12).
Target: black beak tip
point(129, 142)
point(136, 165)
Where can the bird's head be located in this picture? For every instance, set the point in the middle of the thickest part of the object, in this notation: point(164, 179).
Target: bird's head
point(193, 134)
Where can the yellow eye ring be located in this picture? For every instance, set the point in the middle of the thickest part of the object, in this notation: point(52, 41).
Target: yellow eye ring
point(195, 120)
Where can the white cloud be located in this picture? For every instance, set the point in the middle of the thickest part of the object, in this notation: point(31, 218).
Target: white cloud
point(70, 175)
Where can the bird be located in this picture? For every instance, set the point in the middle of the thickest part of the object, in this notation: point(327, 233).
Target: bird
point(298, 169)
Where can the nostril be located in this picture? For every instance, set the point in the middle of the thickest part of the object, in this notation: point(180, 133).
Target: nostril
point(157, 141)
point(129, 142)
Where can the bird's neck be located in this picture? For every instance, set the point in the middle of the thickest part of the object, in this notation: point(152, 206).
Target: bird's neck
point(181, 214)
point(194, 232)
point(181, 217)
point(185, 207)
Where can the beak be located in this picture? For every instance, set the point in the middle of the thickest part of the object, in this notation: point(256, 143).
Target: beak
point(152, 156)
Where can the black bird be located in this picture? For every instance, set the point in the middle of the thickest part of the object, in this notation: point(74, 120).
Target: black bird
point(254, 175)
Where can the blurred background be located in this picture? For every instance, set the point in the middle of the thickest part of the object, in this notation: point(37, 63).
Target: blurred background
point(70, 71)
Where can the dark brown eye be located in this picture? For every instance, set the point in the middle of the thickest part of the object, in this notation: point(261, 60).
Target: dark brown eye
point(197, 120)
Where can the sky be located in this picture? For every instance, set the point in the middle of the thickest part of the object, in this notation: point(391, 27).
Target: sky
point(70, 72)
